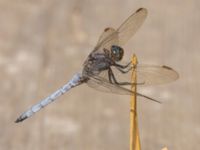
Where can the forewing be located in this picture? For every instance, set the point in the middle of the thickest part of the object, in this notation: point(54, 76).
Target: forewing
point(120, 36)
point(106, 33)
point(152, 75)
point(148, 75)
point(131, 25)
point(108, 38)
point(102, 83)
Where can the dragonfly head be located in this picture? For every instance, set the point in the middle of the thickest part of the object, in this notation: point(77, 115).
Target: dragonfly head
point(117, 53)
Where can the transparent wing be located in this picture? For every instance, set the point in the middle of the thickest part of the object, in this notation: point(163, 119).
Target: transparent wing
point(108, 38)
point(131, 25)
point(107, 33)
point(102, 84)
point(152, 74)
point(149, 75)
point(120, 36)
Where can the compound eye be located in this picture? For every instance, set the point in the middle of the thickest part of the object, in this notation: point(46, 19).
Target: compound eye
point(117, 53)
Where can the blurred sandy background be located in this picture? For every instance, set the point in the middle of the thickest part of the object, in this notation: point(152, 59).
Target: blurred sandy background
point(44, 42)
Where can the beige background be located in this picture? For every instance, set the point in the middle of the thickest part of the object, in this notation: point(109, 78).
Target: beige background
point(44, 42)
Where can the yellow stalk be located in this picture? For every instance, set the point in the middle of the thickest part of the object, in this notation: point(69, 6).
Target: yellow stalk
point(134, 129)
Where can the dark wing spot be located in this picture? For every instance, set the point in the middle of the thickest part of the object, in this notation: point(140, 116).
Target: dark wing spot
point(139, 9)
point(166, 67)
point(106, 29)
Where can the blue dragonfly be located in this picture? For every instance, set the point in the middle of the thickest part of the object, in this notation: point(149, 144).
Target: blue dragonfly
point(102, 64)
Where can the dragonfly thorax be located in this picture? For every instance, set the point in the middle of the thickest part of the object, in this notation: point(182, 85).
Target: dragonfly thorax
point(117, 53)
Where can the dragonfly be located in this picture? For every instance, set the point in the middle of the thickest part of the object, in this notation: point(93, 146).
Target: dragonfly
point(103, 66)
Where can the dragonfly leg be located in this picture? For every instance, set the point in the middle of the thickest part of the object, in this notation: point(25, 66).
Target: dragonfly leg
point(122, 66)
point(109, 76)
point(112, 79)
point(123, 70)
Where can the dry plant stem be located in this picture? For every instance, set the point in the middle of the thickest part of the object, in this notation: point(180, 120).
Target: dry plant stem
point(134, 130)
point(165, 148)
